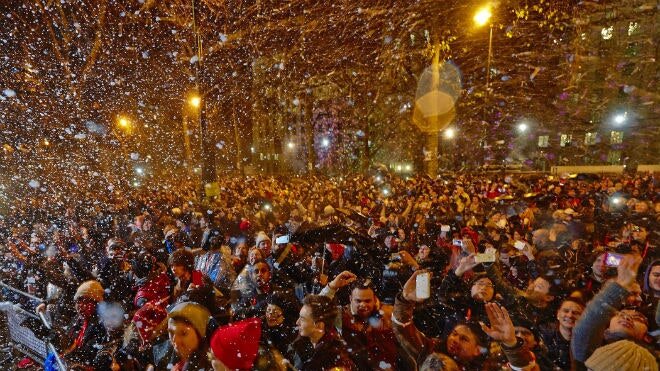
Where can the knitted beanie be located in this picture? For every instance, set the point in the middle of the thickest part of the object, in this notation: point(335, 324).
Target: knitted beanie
point(196, 315)
point(328, 210)
point(244, 225)
point(236, 345)
point(623, 355)
point(148, 318)
point(91, 289)
point(261, 236)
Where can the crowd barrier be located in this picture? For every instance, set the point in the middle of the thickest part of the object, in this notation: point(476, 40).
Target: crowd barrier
point(21, 338)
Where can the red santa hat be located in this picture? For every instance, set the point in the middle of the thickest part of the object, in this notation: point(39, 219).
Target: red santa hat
point(147, 319)
point(244, 225)
point(236, 345)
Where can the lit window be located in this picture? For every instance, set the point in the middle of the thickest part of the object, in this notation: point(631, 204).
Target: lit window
point(543, 140)
point(633, 27)
point(614, 157)
point(616, 137)
point(565, 140)
point(607, 32)
point(590, 139)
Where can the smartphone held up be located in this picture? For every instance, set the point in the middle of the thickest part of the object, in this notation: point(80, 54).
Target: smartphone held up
point(423, 285)
point(613, 259)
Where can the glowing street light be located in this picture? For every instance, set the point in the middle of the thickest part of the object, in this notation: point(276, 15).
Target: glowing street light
point(620, 118)
point(124, 123)
point(195, 101)
point(291, 145)
point(325, 142)
point(482, 16)
point(139, 170)
point(522, 127)
point(450, 133)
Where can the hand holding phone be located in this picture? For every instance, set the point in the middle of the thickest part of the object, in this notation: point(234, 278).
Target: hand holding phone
point(282, 239)
point(423, 285)
point(485, 258)
point(613, 259)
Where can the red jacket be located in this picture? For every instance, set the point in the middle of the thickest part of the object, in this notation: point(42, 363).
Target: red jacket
point(155, 289)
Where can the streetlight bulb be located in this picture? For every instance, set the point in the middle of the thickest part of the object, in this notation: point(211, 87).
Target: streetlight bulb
point(620, 118)
point(291, 145)
point(139, 170)
point(124, 122)
point(522, 127)
point(482, 16)
point(449, 133)
point(195, 101)
point(325, 142)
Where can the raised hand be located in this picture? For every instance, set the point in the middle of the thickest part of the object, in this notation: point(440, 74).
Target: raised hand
point(410, 288)
point(344, 278)
point(465, 264)
point(627, 271)
point(501, 327)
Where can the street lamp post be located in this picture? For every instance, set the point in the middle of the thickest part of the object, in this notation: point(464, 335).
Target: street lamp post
point(481, 18)
point(448, 156)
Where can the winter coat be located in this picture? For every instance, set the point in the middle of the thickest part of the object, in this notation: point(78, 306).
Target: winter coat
point(154, 288)
point(515, 300)
point(165, 358)
point(589, 331)
point(254, 304)
point(115, 282)
point(278, 337)
point(329, 353)
point(92, 340)
point(372, 342)
point(456, 294)
point(417, 346)
point(559, 349)
point(217, 268)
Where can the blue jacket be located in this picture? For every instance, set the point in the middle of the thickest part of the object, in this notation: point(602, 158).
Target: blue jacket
point(589, 332)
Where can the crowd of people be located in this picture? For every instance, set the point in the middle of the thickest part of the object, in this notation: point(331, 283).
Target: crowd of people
point(315, 273)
